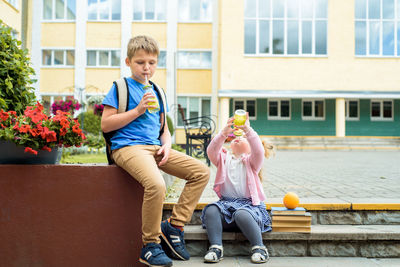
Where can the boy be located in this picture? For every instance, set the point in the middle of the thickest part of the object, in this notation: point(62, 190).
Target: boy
point(137, 148)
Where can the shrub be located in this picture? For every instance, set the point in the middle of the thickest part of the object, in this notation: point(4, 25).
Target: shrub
point(90, 122)
point(170, 125)
point(15, 74)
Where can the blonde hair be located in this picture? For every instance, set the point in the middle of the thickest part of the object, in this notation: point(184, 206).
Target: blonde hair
point(269, 151)
point(147, 43)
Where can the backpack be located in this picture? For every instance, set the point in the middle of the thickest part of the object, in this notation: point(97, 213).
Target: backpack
point(123, 104)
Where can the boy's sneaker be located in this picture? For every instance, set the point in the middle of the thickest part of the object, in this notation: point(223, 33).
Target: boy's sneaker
point(259, 254)
point(174, 241)
point(153, 255)
point(214, 254)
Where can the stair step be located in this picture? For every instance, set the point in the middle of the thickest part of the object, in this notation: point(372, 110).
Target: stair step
point(323, 241)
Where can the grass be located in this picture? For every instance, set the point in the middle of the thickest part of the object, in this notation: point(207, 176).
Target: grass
point(84, 158)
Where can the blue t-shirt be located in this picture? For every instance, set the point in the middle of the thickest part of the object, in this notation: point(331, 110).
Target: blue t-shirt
point(145, 129)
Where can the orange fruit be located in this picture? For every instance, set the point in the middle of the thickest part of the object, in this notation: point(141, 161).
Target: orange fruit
point(291, 200)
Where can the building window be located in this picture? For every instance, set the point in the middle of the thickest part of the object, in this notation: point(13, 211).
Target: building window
point(103, 58)
point(150, 10)
point(313, 109)
point(381, 110)
point(247, 104)
point(194, 60)
point(352, 110)
point(58, 57)
point(377, 28)
point(292, 27)
point(278, 109)
point(104, 10)
point(14, 3)
point(59, 9)
point(195, 11)
point(194, 107)
point(162, 59)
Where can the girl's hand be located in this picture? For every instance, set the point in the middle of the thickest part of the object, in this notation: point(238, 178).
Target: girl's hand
point(227, 130)
point(246, 126)
point(144, 103)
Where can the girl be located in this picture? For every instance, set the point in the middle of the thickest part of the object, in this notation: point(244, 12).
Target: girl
point(238, 186)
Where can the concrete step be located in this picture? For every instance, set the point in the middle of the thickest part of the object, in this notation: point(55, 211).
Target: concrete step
point(380, 241)
point(244, 261)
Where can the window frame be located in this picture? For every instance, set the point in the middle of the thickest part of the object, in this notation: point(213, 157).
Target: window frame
point(381, 20)
point(144, 12)
point(347, 110)
point(201, 51)
point(200, 97)
point(245, 106)
point(97, 50)
point(312, 117)
point(381, 118)
point(13, 3)
point(285, 20)
point(192, 20)
point(53, 49)
point(279, 116)
point(162, 67)
point(53, 13)
point(109, 13)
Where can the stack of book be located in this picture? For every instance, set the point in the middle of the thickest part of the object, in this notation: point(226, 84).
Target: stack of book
point(290, 220)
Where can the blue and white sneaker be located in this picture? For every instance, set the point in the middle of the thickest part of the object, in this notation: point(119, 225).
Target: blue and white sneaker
point(174, 241)
point(153, 255)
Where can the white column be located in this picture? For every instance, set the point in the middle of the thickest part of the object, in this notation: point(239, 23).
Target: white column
point(172, 28)
point(215, 70)
point(223, 115)
point(80, 49)
point(126, 33)
point(340, 118)
point(36, 53)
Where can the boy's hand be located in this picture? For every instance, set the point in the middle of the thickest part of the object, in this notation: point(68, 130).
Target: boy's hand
point(246, 126)
point(164, 151)
point(144, 103)
point(227, 130)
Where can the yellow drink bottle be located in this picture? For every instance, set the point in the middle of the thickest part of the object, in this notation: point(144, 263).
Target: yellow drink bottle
point(154, 101)
point(240, 119)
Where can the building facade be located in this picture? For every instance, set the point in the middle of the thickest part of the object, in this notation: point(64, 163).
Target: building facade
point(299, 67)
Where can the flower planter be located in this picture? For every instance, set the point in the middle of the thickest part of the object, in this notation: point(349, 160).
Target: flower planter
point(10, 153)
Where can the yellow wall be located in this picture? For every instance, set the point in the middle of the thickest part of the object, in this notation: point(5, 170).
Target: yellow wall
point(340, 70)
point(194, 81)
point(194, 36)
point(99, 80)
point(57, 80)
point(10, 15)
point(160, 78)
point(58, 34)
point(156, 30)
point(110, 34)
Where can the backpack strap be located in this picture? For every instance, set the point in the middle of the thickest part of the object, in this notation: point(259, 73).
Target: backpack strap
point(163, 117)
point(122, 94)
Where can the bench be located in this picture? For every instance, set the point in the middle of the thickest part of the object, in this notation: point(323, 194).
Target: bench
point(198, 132)
point(69, 215)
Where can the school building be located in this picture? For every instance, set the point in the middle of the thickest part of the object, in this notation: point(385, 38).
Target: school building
point(299, 67)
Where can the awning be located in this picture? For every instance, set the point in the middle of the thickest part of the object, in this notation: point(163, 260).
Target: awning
point(309, 94)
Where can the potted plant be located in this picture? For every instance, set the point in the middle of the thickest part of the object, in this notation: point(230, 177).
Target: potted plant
point(16, 91)
point(69, 105)
point(34, 132)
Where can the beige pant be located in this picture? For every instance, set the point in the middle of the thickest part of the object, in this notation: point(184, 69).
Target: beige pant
point(140, 161)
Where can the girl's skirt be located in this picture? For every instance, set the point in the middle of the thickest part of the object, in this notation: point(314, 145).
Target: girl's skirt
point(228, 206)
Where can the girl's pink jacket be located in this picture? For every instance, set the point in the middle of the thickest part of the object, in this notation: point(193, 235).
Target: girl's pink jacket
point(253, 162)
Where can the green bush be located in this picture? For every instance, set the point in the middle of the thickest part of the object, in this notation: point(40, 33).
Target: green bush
point(15, 73)
point(90, 122)
point(170, 125)
point(95, 141)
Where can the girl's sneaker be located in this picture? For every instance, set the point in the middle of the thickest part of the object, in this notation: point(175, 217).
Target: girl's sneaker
point(214, 254)
point(259, 254)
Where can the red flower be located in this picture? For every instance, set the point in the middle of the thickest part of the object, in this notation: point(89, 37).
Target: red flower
point(4, 115)
point(46, 148)
point(30, 150)
point(24, 128)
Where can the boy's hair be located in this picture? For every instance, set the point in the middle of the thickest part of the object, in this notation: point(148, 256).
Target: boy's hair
point(144, 42)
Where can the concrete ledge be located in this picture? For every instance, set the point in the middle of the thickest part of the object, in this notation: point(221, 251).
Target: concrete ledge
point(319, 206)
point(69, 215)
